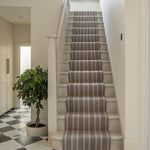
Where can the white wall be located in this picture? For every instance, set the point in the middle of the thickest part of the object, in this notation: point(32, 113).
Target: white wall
point(6, 80)
point(114, 22)
point(45, 17)
point(22, 37)
point(129, 60)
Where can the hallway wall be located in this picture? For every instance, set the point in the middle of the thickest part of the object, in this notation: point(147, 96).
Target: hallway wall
point(45, 17)
point(128, 65)
point(114, 22)
point(6, 80)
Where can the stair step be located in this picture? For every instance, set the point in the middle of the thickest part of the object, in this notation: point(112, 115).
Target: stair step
point(111, 105)
point(100, 45)
point(86, 24)
point(107, 77)
point(85, 65)
point(113, 122)
point(81, 37)
point(85, 76)
point(109, 90)
point(104, 54)
point(99, 13)
point(56, 139)
point(69, 31)
point(85, 18)
point(85, 89)
point(86, 121)
point(105, 66)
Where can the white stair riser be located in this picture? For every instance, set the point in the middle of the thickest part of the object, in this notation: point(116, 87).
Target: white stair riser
point(111, 107)
point(58, 144)
point(69, 32)
point(107, 78)
point(103, 47)
point(98, 14)
point(105, 67)
point(113, 124)
point(68, 39)
point(71, 19)
point(62, 91)
point(100, 25)
point(104, 56)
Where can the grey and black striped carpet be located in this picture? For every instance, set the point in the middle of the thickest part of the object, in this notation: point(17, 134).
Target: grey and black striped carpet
point(86, 120)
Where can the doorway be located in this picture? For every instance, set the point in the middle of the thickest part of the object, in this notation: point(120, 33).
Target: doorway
point(25, 61)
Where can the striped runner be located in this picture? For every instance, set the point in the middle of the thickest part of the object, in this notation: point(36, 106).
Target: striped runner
point(86, 120)
point(85, 46)
point(85, 55)
point(85, 31)
point(86, 104)
point(85, 38)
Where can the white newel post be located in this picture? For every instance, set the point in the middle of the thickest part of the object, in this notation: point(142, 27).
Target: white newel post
point(52, 84)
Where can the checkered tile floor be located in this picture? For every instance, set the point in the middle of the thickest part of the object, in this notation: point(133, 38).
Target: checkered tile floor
point(13, 132)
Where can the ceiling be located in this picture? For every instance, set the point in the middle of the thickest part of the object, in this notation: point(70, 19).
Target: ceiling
point(15, 15)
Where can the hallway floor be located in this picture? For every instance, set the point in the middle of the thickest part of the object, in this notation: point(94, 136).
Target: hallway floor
point(13, 132)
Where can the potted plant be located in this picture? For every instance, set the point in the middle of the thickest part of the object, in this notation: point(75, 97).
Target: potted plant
point(32, 87)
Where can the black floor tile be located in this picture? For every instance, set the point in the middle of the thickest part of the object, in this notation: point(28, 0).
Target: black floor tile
point(21, 148)
point(13, 122)
point(5, 129)
point(4, 116)
point(27, 140)
point(10, 112)
point(4, 138)
point(22, 129)
point(19, 117)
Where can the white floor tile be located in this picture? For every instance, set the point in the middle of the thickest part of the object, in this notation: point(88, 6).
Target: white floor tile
point(10, 145)
point(8, 119)
point(42, 145)
point(19, 125)
point(3, 125)
point(13, 134)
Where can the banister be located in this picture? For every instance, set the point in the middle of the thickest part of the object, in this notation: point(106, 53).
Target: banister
point(55, 50)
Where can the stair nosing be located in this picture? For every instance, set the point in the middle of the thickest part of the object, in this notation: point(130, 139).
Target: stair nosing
point(115, 135)
point(84, 28)
point(103, 61)
point(111, 116)
point(63, 99)
point(66, 73)
point(85, 35)
point(65, 85)
point(85, 42)
point(68, 51)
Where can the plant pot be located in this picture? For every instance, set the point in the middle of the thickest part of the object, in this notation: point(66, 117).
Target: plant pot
point(39, 131)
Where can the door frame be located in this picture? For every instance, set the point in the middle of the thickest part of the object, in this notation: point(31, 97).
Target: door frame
point(17, 68)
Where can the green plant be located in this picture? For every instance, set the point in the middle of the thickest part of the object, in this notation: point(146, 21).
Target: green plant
point(32, 87)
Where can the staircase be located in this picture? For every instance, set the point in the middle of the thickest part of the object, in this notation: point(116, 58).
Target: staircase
point(87, 108)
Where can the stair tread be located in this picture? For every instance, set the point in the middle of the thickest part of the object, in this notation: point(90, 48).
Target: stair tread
point(85, 28)
point(105, 84)
point(107, 99)
point(67, 62)
point(86, 16)
point(68, 51)
point(115, 135)
point(110, 115)
point(105, 72)
point(99, 22)
point(85, 42)
point(85, 35)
